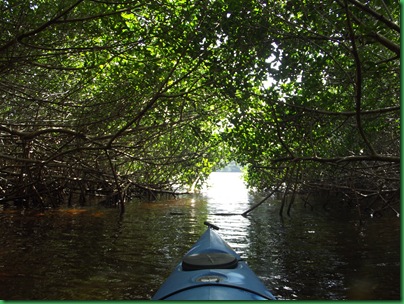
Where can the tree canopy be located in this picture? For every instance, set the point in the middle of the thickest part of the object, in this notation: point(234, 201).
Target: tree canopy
point(151, 96)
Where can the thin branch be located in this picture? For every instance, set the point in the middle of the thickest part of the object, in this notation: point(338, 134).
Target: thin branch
point(358, 81)
point(40, 28)
point(377, 15)
point(149, 105)
point(98, 16)
point(31, 135)
point(394, 47)
point(333, 113)
point(354, 158)
point(245, 213)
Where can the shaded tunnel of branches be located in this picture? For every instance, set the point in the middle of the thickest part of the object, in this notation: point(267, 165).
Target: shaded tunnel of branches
point(106, 101)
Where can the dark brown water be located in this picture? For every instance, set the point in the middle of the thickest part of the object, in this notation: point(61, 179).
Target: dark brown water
point(92, 254)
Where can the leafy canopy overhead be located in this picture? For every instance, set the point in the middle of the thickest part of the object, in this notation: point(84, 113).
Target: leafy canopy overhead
point(157, 94)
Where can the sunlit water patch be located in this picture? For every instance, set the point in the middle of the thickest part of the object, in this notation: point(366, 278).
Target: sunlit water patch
point(228, 196)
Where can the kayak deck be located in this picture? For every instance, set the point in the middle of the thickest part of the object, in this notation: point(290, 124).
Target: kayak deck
point(211, 270)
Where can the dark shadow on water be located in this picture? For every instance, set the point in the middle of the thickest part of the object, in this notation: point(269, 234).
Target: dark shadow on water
point(93, 254)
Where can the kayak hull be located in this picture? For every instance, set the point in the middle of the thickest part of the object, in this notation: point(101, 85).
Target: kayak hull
point(211, 270)
point(215, 293)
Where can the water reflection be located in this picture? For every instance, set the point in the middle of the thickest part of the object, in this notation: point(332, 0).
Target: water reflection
point(227, 195)
point(93, 254)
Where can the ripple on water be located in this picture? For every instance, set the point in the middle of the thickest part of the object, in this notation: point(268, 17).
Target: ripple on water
point(93, 254)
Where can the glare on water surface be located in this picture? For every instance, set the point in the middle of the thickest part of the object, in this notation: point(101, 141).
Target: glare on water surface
point(227, 192)
point(228, 196)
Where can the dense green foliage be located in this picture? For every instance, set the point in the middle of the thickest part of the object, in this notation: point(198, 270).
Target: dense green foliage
point(153, 95)
point(330, 118)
